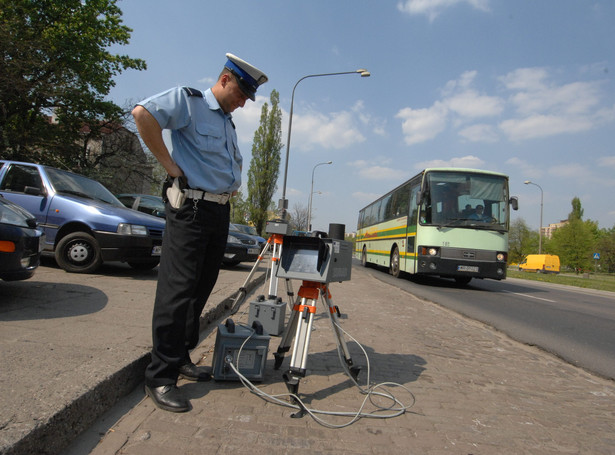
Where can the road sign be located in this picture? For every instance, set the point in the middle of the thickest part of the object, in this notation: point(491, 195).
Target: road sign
point(596, 255)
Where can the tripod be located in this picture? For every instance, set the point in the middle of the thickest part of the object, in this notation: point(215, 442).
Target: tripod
point(275, 242)
point(300, 327)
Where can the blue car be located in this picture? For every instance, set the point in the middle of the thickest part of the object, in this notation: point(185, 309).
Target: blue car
point(20, 242)
point(84, 224)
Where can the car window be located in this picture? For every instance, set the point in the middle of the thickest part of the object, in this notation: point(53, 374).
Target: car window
point(78, 185)
point(13, 215)
point(19, 177)
point(151, 206)
point(128, 201)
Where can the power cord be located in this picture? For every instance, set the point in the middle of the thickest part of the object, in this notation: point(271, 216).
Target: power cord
point(395, 409)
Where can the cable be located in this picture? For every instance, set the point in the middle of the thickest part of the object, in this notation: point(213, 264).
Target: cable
point(395, 409)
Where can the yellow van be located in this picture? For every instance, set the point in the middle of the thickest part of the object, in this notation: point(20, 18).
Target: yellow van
point(541, 263)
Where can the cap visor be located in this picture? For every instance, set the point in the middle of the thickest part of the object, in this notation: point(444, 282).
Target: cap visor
point(249, 93)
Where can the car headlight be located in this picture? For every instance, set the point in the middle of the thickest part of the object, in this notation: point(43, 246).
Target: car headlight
point(231, 239)
point(131, 229)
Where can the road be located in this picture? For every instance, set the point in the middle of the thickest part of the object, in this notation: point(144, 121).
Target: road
point(575, 324)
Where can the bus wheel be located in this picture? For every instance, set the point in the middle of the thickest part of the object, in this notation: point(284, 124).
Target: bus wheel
point(394, 267)
point(364, 257)
point(463, 280)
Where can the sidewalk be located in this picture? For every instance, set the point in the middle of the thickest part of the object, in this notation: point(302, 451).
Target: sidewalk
point(476, 392)
point(73, 345)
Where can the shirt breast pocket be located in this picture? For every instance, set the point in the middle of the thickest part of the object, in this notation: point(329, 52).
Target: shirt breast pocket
point(208, 138)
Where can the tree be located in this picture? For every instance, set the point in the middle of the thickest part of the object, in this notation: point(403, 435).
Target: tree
point(55, 73)
point(239, 209)
point(299, 218)
point(574, 242)
point(521, 241)
point(577, 210)
point(265, 163)
point(606, 247)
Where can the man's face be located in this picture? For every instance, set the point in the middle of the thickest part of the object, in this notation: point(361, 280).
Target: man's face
point(233, 97)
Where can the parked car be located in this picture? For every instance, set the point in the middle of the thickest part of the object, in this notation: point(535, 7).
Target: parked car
point(240, 247)
point(21, 242)
point(84, 224)
point(251, 230)
point(146, 203)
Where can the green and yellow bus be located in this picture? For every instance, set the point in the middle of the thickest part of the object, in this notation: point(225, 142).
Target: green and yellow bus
point(447, 222)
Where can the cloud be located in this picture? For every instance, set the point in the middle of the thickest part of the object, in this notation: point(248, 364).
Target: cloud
point(607, 161)
point(432, 8)
point(536, 107)
point(365, 197)
point(480, 133)
point(377, 170)
point(460, 104)
point(544, 108)
point(574, 171)
point(337, 130)
point(420, 125)
point(527, 170)
point(247, 119)
point(470, 104)
point(537, 126)
point(468, 161)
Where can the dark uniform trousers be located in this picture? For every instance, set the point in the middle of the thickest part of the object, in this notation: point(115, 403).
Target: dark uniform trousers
point(193, 247)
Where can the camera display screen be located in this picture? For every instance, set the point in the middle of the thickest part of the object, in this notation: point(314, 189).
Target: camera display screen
point(302, 260)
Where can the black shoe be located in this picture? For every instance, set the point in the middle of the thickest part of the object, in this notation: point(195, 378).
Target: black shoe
point(191, 372)
point(168, 397)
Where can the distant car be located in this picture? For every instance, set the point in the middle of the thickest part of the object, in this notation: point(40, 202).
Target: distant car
point(240, 247)
point(20, 242)
point(84, 224)
point(251, 230)
point(146, 203)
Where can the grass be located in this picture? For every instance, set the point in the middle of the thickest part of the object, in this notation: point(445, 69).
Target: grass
point(602, 282)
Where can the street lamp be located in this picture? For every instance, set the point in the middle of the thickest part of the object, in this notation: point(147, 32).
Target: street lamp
point(527, 182)
point(311, 193)
point(283, 202)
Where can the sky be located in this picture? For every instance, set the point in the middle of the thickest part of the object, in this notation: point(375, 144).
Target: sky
point(521, 87)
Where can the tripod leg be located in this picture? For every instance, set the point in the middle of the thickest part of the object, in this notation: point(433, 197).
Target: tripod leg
point(305, 314)
point(287, 338)
point(242, 293)
point(341, 341)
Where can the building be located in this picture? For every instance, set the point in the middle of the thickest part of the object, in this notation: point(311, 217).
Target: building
point(547, 231)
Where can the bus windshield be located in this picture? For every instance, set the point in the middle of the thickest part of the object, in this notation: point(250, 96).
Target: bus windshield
point(466, 200)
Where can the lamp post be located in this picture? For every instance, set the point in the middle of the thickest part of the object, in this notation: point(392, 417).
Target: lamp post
point(311, 193)
point(283, 206)
point(528, 182)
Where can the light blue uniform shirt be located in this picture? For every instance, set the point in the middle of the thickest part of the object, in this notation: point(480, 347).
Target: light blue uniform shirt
point(203, 137)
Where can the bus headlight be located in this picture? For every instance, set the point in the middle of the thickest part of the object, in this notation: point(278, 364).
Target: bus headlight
point(501, 257)
point(429, 251)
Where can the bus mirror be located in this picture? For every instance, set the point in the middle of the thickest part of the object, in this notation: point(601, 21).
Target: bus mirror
point(514, 202)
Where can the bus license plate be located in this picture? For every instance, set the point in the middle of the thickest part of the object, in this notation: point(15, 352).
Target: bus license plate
point(467, 268)
point(156, 250)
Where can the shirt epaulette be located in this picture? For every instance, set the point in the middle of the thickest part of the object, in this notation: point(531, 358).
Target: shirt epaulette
point(193, 92)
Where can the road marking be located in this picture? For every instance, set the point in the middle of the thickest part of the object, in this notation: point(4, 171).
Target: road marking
point(530, 296)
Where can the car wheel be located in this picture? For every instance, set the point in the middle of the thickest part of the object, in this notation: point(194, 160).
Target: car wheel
point(394, 267)
point(148, 265)
point(78, 252)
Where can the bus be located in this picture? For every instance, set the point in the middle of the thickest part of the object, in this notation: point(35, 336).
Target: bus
point(446, 222)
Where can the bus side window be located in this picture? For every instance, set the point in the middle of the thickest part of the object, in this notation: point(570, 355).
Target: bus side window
point(414, 206)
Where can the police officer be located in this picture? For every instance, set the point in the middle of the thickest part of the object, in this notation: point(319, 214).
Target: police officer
point(204, 168)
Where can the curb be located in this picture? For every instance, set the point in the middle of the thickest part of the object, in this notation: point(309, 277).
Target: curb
point(61, 429)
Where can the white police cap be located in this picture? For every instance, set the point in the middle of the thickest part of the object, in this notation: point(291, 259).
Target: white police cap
point(248, 76)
